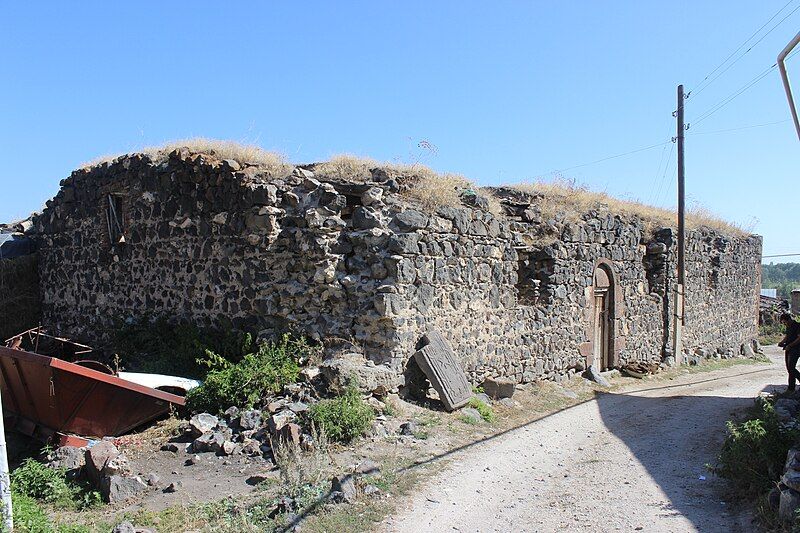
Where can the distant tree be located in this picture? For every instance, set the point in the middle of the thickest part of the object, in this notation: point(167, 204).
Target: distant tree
point(781, 276)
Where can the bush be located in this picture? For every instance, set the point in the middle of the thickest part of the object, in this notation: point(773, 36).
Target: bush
point(29, 517)
point(343, 418)
point(167, 347)
point(258, 375)
point(754, 452)
point(35, 480)
point(770, 333)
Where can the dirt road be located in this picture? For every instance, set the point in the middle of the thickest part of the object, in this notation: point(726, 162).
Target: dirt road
point(631, 460)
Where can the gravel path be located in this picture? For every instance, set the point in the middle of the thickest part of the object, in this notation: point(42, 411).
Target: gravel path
point(630, 460)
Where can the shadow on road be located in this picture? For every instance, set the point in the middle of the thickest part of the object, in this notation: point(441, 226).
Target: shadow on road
point(672, 436)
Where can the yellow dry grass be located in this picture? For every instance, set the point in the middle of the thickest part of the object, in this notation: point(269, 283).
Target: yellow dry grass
point(571, 201)
point(419, 183)
point(272, 163)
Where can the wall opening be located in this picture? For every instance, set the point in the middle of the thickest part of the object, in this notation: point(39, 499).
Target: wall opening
point(534, 269)
point(603, 319)
point(114, 219)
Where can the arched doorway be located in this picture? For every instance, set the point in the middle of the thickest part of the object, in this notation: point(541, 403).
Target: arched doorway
point(602, 318)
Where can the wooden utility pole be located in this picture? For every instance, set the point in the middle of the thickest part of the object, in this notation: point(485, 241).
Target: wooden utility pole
point(677, 331)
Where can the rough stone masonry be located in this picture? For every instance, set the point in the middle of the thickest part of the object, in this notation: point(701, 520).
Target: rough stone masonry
point(358, 266)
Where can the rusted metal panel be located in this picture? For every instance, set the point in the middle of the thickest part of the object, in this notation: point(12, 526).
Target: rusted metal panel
point(64, 397)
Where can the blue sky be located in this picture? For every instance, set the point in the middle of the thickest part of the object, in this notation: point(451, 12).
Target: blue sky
point(506, 91)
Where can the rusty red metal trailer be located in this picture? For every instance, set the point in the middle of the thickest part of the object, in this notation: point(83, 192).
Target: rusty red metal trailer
point(47, 396)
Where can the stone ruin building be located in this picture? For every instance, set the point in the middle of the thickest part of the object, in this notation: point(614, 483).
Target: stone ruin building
point(366, 263)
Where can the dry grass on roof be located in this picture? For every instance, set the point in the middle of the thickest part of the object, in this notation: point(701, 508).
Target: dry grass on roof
point(566, 199)
point(418, 183)
point(272, 163)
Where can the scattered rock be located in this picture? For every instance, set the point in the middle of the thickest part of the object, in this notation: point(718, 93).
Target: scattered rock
point(118, 488)
point(593, 374)
point(173, 487)
point(408, 428)
point(202, 423)
point(498, 388)
point(209, 442)
point(371, 491)
point(340, 371)
point(508, 403)
point(291, 432)
point(471, 415)
point(232, 413)
point(297, 407)
point(250, 419)
point(70, 458)
point(170, 447)
point(124, 527)
point(251, 447)
point(376, 404)
point(153, 479)
point(367, 467)
point(256, 479)
point(789, 504)
point(278, 420)
point(483, 397)
point(345, 489)
point(96, 459)
point(193, 460)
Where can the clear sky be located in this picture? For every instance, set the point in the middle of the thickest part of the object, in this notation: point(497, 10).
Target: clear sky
point(505, 91)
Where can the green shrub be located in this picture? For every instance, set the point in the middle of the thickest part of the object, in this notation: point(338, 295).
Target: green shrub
point(35, 480)
point(770, 333)
point(50, 485)
point(485, 410)
point(257, 375)
point(168, 347)
point(344, 417)
point(29, 517)
point(754, 451)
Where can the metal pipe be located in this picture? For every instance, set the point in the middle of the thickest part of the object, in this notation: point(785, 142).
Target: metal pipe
point(785, 78)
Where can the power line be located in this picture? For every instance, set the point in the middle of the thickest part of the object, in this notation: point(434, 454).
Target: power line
point(741, 128)
point(661, 188)
point(725, 101)
point(609, 157)
point(702, 87)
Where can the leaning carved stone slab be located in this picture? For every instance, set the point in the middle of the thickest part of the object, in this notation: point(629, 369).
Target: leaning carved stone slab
point(439, 363)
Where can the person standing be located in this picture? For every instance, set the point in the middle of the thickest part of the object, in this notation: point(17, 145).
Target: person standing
point(791, 348)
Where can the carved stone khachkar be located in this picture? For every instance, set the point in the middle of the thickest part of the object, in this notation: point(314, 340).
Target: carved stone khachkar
point(438, 361)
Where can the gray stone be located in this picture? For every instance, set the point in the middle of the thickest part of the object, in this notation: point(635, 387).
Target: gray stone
point(169, 447)
point(410, 220)
point(371, 491)
point(124, 527)
point(408, 428)
point(345, 485)
point(175, 486)
point(471, 415)
point(438, 362)
point(210, 442)
point(789, 504)
point(498, 388)
point(69, 458)
point(278, 420)
point(297, 407)
point(232, 413)
point(367, 467)
point(508, 403)
point(250, 419)
point(116, 488)
point(153, 479)
point(791, 478)
point(597, 377)
point(97, 457)
point(341, 371)
point(202, 423)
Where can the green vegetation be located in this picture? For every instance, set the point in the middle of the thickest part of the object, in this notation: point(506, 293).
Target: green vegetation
point(483, 408)
point(163, 346)
point(35, 486)
point(770, 333)
point(266, 371)
point(344, 417)
point(754, 452)
point(781, 276)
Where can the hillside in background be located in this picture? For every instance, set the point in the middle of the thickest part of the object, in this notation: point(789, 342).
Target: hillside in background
point(781, 276)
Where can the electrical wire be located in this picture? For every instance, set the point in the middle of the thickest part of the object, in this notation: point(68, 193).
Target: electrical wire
point(740, 128)
point(701, 87)
point(661, 189)
point(725, 101)
point(609, 157)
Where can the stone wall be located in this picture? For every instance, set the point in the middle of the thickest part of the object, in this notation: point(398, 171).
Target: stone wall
point(356, 265)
